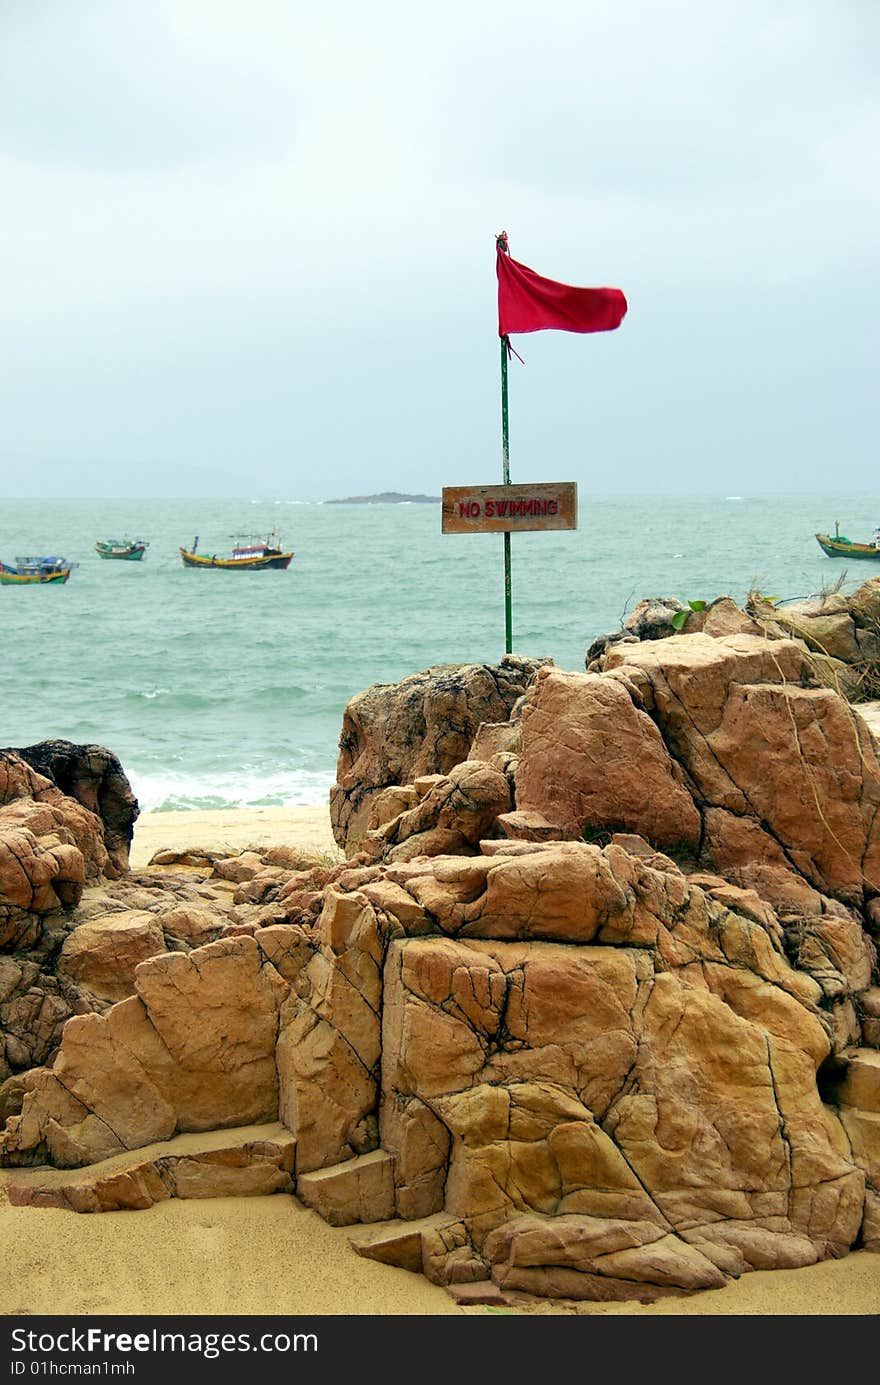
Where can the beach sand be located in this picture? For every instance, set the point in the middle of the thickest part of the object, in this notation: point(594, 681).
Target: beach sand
point(271, 1255)
point(233, 829)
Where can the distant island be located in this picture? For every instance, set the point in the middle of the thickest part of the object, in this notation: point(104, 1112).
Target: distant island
point(387, 498)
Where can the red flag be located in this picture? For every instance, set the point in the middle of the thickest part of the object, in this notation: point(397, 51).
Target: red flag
point(529, 303)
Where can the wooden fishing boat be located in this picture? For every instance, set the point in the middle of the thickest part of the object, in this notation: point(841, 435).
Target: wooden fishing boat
point(130, 550)
point(29, 572)
point(841, 547)
point(250, 554)
point(41, 565)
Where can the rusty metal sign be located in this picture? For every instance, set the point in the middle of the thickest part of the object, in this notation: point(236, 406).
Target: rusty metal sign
point(510, 508)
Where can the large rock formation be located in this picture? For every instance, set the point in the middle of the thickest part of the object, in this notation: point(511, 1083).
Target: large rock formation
point(594, 1013)
point(94, 777)
point(565, 1068)
point(32, 803)
point(66, 818)
point(395, 733)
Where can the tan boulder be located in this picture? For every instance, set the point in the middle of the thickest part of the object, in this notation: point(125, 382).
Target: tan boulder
point(825, 625)
point(92, 778)
point(288, 947)
point(735, 1116)
point(37, 876)
point(527, 825)
point(533, 1145)
point(782, 1003)
point(393, 1243)
point(870, 1235)
point(560, 891)
point(56, 819)
point(863, 1130)
point(397, 904)
point(756, 744)
point(722, 617)
point(224, 1067)
point(580, 1042)
point(241, 867)
point(327, 1097)
point(55, 1127)
point(836, 951)
point(856, 1081)
point(394, 733)
point(595, 1258)
point(31, 801)
point(251, 1162)
point(102, 955)
point(76, 791)
point(812, 777)
point(592, 761)
point(751, 859)
point(496, 738)
point(708, 1097)
point(421, 1146)
point(193, 925)
point(359, 1190)
point(390, 803)
point(193, 1050)
point(19, 780)
point(689, 675)
point(329, 1043)
point(32, 1018)
point(424, 783)
point(460, 809)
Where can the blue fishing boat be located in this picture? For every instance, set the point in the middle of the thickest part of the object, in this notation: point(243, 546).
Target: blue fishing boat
point(33, 570)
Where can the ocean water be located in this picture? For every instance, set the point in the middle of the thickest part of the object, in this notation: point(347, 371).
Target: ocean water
point(221, 689)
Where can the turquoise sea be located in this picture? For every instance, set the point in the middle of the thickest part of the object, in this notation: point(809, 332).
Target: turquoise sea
point(221, 689)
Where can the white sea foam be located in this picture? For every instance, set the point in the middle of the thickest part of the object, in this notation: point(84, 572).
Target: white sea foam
point(243, 789)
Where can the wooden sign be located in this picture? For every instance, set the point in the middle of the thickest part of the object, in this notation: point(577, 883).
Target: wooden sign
point(508, 509)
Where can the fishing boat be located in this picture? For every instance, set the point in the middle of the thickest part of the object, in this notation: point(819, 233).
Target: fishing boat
point(31, 571)
point(250, 554)
point(841, 547)
point(130, 550)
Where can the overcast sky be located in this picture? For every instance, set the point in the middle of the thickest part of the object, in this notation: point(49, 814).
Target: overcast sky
point(249, 249)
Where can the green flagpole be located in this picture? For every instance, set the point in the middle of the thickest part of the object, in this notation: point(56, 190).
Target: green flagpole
point(501, 241)
point(505, 465)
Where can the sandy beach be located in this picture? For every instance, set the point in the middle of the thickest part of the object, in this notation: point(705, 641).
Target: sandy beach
point(233, 829)
point(272, 1255)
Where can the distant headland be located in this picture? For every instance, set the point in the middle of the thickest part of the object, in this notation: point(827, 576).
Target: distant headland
point(386, 498)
